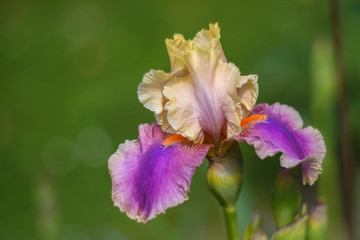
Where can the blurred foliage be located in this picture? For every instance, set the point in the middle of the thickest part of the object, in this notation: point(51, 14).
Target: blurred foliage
point(69, 71)
point(305, 225)
point(285, 198)
point(253, 230)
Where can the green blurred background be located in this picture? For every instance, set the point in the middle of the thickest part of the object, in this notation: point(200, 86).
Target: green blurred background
point(69, 71)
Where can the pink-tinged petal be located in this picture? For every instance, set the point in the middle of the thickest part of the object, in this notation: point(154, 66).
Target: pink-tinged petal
point(226, 82)
point(154, 173)
point(214, 101)
point(281, 131)
point(205, 103)
point(204, 97)
point(181, 107)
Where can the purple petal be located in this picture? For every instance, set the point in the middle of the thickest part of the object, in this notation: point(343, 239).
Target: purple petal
point(282, 132)
point(149, 177)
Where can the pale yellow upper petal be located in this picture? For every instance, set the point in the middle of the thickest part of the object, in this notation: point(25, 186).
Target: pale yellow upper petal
point(175, 47)
point(162, 121)
point(210, 39)
point(201, 63)
point(204, 97)
point(226, 78)
point(182, 110)
point(248, 91)
point(150, 93)
point(205, 103)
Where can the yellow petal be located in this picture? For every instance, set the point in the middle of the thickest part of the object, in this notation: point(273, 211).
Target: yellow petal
point(204, 97)
point(182, 109)
point(150, 93)
point(205, 103)
point(175, 47)
point(248, 91)
point(210, 39)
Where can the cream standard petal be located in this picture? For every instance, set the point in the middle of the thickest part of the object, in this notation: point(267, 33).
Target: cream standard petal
point(204, 97)
point(226, 79)
point(248, 91)
point(205, 103)
point(183, 112)
point(175, 47)
point(201, 64)
point(150, 93)
point(210, 38)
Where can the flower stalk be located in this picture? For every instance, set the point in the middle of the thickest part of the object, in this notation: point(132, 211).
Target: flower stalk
point(231, 222)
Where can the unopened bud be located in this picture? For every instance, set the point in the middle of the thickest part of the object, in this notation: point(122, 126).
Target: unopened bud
point(253, 231)
point(224, 175)
point(294, 231)
point(286, 198)
point(317, 226)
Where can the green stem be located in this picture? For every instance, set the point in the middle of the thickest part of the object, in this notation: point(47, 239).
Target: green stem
point(231, 223)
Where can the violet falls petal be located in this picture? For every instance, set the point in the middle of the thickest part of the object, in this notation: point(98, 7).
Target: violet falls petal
point(282, 132)
point(149, 178)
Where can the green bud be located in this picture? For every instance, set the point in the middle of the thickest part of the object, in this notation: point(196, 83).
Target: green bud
point(259, 235)
point(317, 226)
point(253, 230)
point(293, 231)
point(286, 198)
point(304, 209)
point(224, 175)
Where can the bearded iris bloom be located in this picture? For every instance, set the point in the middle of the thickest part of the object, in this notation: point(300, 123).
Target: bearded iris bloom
point(201, 108)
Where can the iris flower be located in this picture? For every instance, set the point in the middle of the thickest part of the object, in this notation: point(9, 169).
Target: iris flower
point(202, 107)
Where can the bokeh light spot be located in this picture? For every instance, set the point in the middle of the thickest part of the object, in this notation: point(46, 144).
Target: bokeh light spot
point(93, 146)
